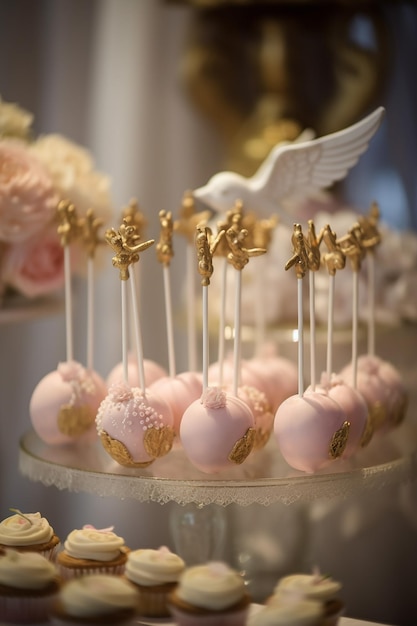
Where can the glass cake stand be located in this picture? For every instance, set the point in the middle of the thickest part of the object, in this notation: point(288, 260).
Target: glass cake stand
point(264, 478)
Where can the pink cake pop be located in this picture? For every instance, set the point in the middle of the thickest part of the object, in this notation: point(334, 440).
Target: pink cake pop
point(135, 426)
point(378, 381)
point(311, 431)
point(153, 371)
point(353, 405)
point(179, 392)
point(277, 377)
point(64, 403)
point(216, 431)
point(311, 428)
point(381, 385)
point(262, 413)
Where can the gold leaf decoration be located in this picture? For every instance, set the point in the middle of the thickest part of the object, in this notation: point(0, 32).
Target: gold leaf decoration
point(243, 447)
point(158, 441)
point(339, 440)
point(118, 451)
point(74, 421)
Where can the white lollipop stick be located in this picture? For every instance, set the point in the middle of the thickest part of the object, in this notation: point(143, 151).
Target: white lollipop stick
point(222, 320)
point(371, 302)
point(169, 322)
point(138, 333)
point(205, 338)
point(68, 303)
point(355, 299)
point(238, 325)
point(330, 325)
point(125, 339)
point(300, 337)
point(191, 308)
point(90, 313)
point(312, 295)
point(260, 307)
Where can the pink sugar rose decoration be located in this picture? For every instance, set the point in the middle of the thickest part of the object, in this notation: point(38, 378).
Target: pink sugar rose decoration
point(218, 568)
point(120, 392)
point(109, 529)
point(27, 196)
point(71, 371)
point(213, 398)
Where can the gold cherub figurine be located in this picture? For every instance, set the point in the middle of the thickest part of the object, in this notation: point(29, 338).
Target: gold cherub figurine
point(239, 255)
point(299, 260)
point(371, 237)
point(164, 248)
point(125, 242)
point(334, 258)
point(69, 226)
point(206, 246)
point(89, 227)
point(352, 247)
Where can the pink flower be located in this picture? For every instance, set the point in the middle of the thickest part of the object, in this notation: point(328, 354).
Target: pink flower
point(213, 398)
point(71, 371)
point(34, 267)
point(27, 196)
point(120, 392)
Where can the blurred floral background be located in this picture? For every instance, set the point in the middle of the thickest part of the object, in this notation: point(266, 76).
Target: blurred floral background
point(35, 174)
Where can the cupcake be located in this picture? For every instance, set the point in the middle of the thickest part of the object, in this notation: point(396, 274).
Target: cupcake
point(96, 600)
point(92, 551)
point(290, 611)
point(313, 587)
point(29, 532)
point(210, 594)
point(155, 574)
point(29, 585)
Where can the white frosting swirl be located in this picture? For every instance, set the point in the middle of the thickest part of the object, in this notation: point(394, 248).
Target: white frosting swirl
point(25, 530)
point(97, 594)
point(214, 586)
point(26, 570)
point(311, 586)
point(153, 567)
point(94, 544)
point(300, 613)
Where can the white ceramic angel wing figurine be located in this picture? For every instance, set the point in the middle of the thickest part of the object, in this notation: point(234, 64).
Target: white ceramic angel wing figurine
point(293, 169)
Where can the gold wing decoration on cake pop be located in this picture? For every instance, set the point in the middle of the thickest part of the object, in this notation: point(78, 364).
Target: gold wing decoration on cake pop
point(300, 259)
point(164, 247)
point(69, 225)
point(189, 219)
point(238, 254)
point(243, 447)
point(334, 258)
point(127, 245)
point(206, 244)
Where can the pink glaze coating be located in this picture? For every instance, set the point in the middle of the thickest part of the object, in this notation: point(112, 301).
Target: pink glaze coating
point(383, 389)
point(126, 415)
point(354, 406)
point(277, 378)
point(179, 392)
point(212, 427)
point(304, 427)
point(153, 371)
point(64, 404)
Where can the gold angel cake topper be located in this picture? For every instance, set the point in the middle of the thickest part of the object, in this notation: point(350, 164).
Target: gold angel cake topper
point(206, 244)
point(239, 254)
point(189, 219)
point(164, 247)
point(69, 225)
point(299, 259)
